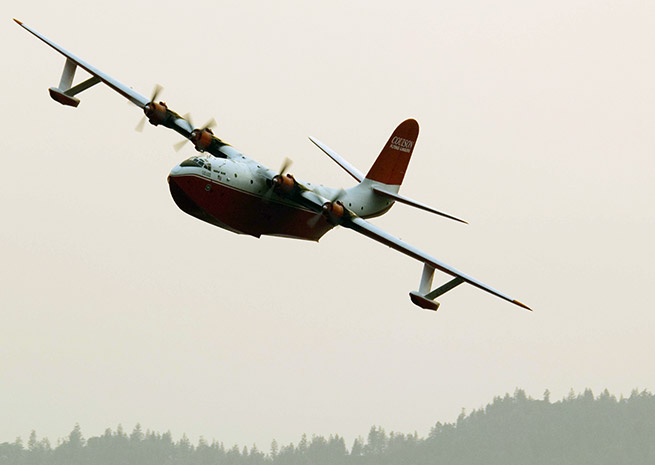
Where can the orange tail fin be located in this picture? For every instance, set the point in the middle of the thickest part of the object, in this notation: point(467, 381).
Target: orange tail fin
point(391, 164)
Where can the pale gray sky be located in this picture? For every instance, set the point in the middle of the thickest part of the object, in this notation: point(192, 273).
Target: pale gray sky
point(116, 307)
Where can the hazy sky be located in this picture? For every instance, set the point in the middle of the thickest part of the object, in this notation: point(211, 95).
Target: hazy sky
point(116, 307)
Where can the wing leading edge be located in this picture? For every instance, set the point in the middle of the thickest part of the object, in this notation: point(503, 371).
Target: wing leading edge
point(373, 232)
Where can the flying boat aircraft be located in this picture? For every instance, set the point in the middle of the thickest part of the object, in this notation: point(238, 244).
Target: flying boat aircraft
point(223, 187)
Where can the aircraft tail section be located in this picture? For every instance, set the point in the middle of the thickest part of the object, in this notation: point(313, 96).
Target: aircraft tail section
point(391, 165)
point(378, 190)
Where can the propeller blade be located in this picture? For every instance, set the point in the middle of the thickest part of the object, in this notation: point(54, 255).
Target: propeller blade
point(313, 221)
point(139, 127)
point(269, 193)
point(178, 145)
point(210, 124)
point(156, 91)
point(339, 195)
point(266, 198)
point(285, 166)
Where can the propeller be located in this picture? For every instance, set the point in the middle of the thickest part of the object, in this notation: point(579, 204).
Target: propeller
point(155, 92)
point(331, 207)
point(197, 136)
point(178, 145)
point(285, 166)
point(278, 179)
point(149, 107)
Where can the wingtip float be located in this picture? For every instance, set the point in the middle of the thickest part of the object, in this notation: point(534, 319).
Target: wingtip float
point(227, 189)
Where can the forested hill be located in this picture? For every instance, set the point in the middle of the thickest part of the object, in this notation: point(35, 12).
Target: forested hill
point(580, 429)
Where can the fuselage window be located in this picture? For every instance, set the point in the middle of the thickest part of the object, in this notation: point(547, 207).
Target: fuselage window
point(195, 161)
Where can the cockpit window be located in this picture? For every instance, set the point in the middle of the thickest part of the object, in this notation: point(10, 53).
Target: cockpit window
point(196, 161)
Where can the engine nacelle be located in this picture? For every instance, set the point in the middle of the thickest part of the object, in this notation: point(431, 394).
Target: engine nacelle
point(156, 112)
point(334, 211)
point(284, 184)
point(202, 139)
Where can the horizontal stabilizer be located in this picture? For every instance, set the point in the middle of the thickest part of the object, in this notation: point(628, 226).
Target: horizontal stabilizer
point(350, 169)
point(414, 203)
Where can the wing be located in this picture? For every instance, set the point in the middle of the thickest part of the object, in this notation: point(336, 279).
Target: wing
point(367, 229)
point(157, 113)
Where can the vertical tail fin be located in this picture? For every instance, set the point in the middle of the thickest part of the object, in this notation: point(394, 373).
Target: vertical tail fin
point(391, 165)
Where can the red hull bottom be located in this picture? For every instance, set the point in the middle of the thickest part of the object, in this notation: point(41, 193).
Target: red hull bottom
point(243, 212)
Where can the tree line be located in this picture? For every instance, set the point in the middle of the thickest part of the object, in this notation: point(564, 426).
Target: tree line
point(514, 429)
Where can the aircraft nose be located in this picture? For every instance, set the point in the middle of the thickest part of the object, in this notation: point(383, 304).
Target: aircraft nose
point(176, 170)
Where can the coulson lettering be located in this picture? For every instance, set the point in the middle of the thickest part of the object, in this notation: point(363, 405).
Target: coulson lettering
point(404, 145)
